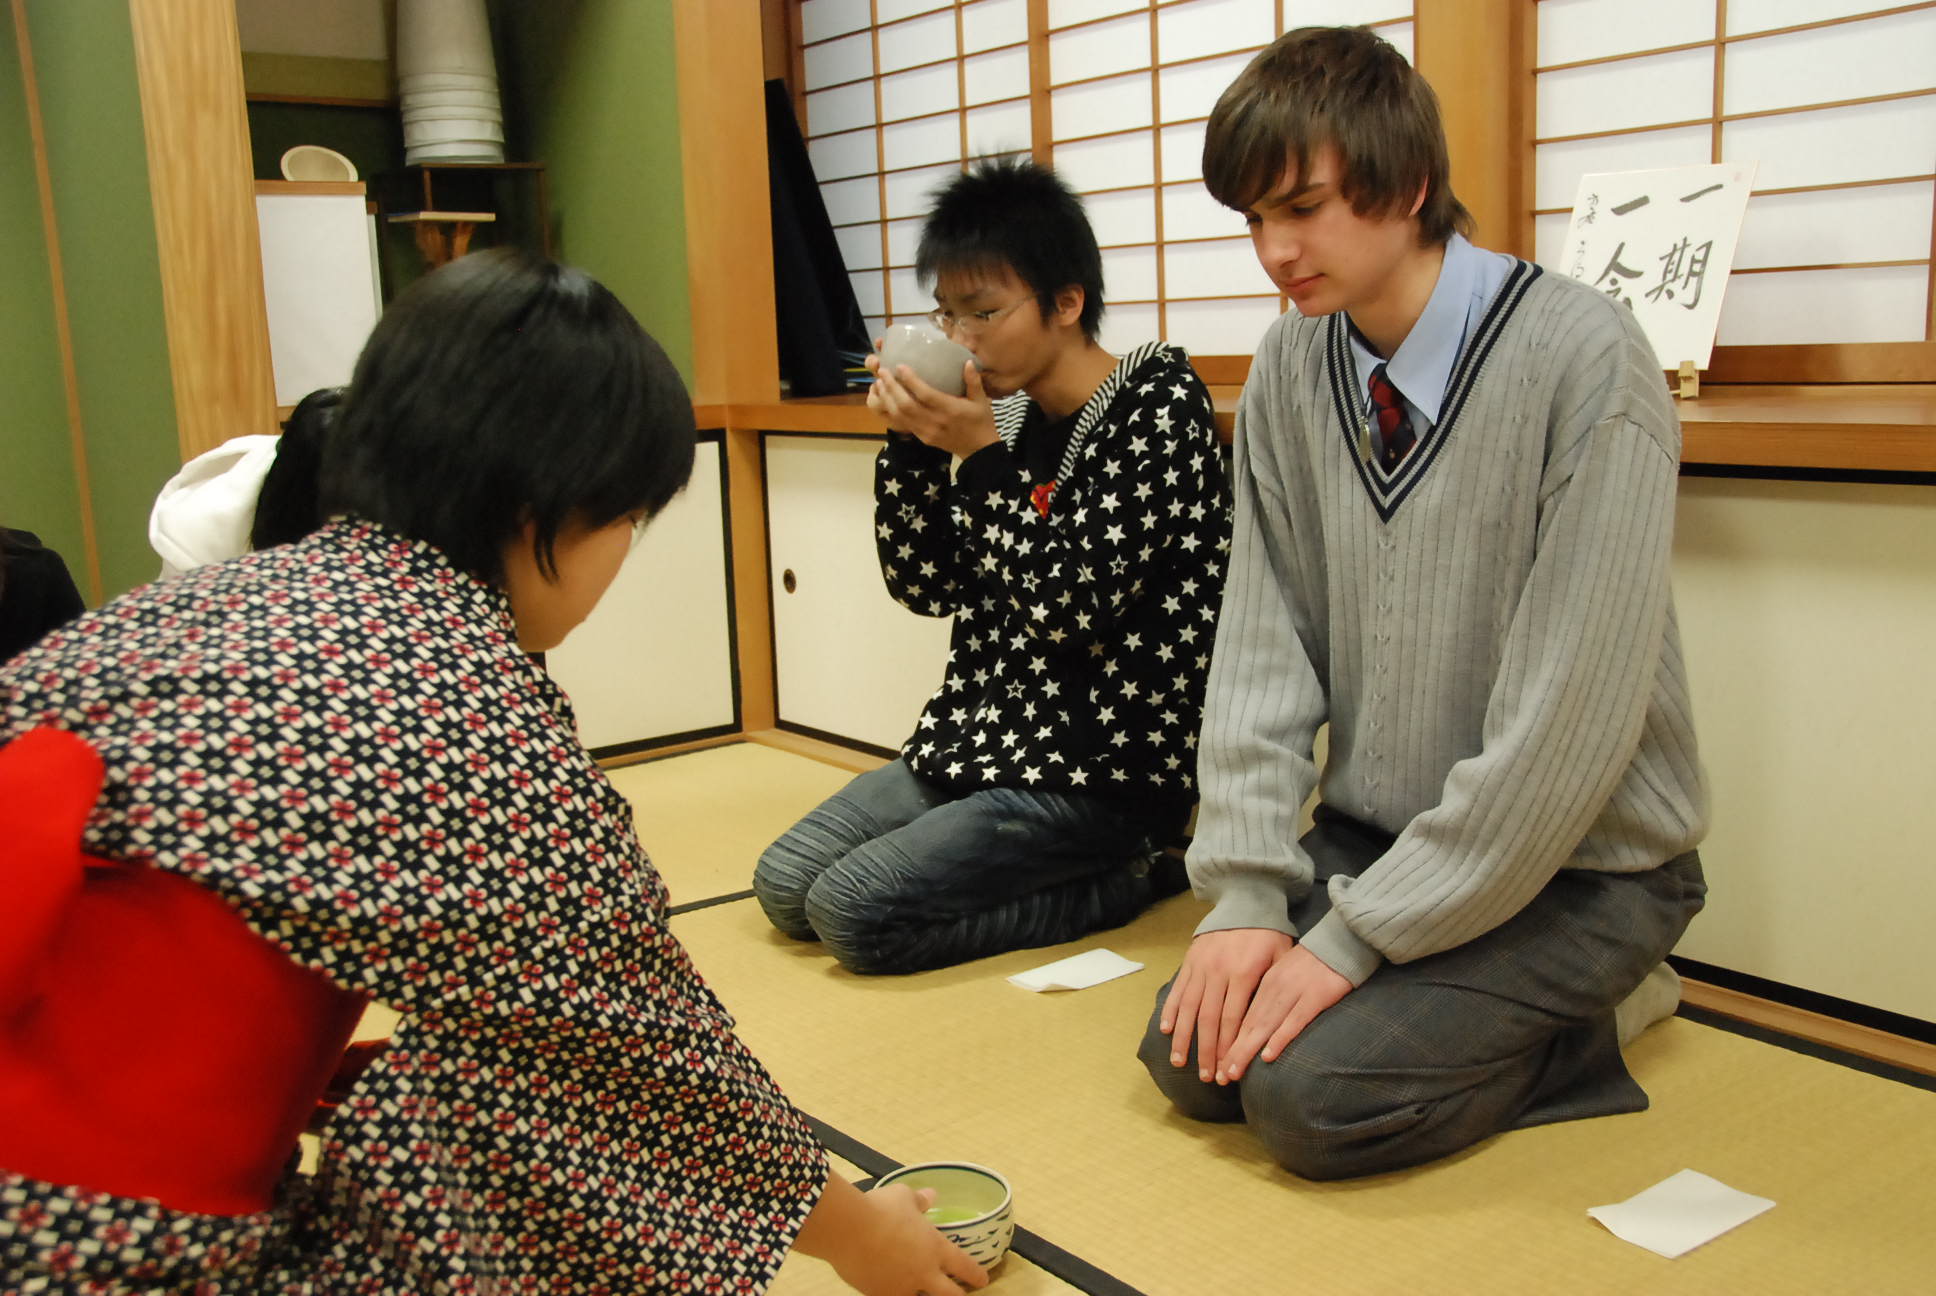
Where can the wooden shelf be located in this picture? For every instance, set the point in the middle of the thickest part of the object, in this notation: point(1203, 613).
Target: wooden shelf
point(1884, 427)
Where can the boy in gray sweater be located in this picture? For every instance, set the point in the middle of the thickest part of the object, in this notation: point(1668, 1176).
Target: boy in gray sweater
point(1454, 490)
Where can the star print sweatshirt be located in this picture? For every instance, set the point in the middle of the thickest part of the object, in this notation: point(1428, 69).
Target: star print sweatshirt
point(1084, 613)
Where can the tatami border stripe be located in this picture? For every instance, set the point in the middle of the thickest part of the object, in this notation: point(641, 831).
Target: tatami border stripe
point(1811, 1048)
point(1034, 1248)
point(708, 903)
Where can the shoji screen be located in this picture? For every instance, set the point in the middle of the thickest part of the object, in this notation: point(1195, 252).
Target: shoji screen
point(1835, 99)
point(898, 92)
point(1112, 93)
point(1130, 87)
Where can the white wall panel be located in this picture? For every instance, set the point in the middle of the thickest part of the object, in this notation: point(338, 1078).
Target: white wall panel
point(1183, 152)
point(1220, 269)
point(1192, 90)
point(1064, 12)
point(840, 109)
point(1094, 107)
point(1124, 328)
point(911, 193)
point(847, 59)
point(997, 129)
point(655, 656)
point(1807, 612)
point(1549, 239)
point(1003, 74)
point(1879, 304)
point(924, 90)
point(852, 200)
point(1864, 142)
point(921, 143)
point(1126, 217)
point(988, 23)
point(860, 246)
point(848, 659)
point(1824, 227)
point(1203, 27)
point(836, 157)
point(922, 40)
point(1115, 161)
point(1119, 46)
point(1189, 212)
point(1129, 274)
point(1854, 61)
point(1557, 168)
point(903, 241)
point(870, 290)
point(1221, 327)
point(1571, 30)
point(887, 11)
point(907, 299)
point(1632, 92)
point(822, 19)
point(1764, 15)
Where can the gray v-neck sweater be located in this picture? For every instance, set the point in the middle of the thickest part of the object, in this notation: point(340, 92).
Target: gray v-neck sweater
point(1488, 631)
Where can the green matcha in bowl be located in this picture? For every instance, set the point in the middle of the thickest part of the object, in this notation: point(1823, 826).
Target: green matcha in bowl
point(972, 1206)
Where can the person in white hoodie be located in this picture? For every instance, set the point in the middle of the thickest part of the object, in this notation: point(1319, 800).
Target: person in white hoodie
point(248, 493)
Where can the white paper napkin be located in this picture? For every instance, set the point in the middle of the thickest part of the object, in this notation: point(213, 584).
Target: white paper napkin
point(1077, 972)
point(1679, 1213)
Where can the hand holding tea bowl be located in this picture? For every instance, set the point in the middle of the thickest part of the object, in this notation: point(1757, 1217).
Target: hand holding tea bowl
point(973, 1206)
point(910, 368)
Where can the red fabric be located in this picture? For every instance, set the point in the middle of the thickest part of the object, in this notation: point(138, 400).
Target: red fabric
point(151, 1043)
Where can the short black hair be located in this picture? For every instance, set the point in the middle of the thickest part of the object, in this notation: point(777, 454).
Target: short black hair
point(500, 390)
point(1349, 88)
point(1010, 212)
point(286, 508)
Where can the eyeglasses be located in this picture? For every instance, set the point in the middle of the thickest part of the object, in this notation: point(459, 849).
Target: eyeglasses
point(971, 323)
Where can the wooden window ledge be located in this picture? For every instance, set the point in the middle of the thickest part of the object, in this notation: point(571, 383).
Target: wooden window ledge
point(1870, 427)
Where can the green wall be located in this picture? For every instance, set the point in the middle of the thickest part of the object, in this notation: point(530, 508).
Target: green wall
point(83, 56)
point(591, 90)
point(38, 485)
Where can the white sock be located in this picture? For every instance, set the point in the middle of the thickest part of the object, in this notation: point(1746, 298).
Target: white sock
point(1654, 999)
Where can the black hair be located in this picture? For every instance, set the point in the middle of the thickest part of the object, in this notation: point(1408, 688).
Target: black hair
point(1011, 213)
point(286, 508)
point(1349, 88)
point(500, 390)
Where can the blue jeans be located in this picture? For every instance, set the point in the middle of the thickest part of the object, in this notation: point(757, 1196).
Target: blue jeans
point(895, 874)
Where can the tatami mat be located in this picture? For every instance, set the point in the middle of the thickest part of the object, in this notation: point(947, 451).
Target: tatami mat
point(705, 817)
point(959, 1063)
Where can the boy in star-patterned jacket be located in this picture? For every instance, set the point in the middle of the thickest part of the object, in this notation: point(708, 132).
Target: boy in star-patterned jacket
point(1071, 513)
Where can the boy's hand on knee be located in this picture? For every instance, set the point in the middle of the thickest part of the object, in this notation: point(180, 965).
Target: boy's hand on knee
point(1297, 988)
point(1212, 992)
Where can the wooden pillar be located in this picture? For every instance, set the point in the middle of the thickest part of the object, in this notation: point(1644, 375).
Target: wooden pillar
point(189, 61)
point(1478, 56)
point(729, 259)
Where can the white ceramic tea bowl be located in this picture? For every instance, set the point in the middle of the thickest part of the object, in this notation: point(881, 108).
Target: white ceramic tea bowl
point(973, 1205)
point(926, 350)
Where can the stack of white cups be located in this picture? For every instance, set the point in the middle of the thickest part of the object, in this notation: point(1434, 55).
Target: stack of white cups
point(447, 83)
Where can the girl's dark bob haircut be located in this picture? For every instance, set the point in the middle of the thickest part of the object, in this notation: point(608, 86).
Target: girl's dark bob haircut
point(501, 390)
point(1346, 87)
point(1010, 213)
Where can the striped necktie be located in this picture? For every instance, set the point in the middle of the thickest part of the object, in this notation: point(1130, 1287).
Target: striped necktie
point(1395, 437)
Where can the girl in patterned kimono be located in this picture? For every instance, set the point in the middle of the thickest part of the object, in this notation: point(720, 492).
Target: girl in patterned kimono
point(237, 806)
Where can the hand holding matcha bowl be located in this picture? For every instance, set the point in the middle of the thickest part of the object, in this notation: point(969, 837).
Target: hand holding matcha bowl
point(973, 1205)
